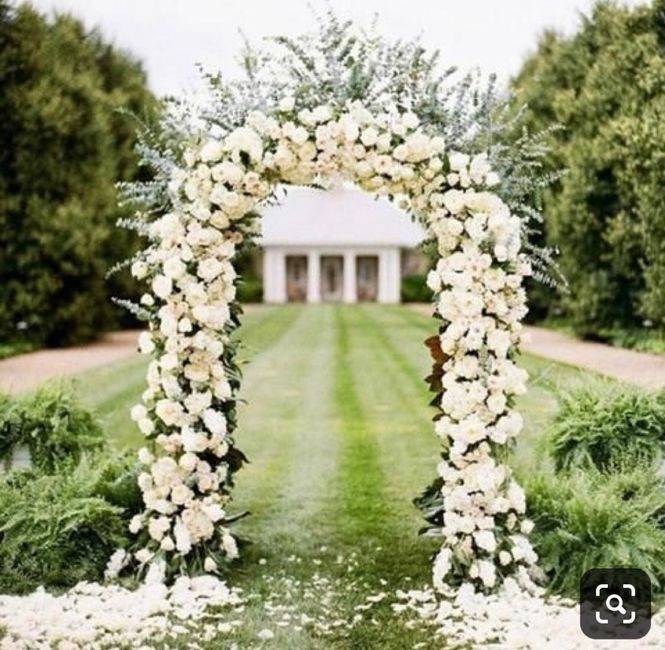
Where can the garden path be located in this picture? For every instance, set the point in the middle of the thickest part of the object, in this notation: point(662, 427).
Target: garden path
point(638, 368)
point(26, 371)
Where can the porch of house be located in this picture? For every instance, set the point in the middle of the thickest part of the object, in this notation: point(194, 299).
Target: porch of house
point(331, 275)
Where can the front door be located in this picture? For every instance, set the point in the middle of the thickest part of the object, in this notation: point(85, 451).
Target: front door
point(332, 278)
point(367, 278)
point(296, 278)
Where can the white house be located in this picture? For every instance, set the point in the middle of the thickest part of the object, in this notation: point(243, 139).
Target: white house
point(337, 245)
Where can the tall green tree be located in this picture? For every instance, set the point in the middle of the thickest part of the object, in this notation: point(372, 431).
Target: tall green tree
point(606, 86)
point(63, 145)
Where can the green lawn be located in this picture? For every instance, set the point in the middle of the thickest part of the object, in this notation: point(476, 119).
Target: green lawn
point(340, 439)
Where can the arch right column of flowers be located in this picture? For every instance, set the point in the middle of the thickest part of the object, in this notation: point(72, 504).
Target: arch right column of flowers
point(475, 505)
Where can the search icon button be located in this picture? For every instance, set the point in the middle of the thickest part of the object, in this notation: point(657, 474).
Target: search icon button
point(619, 604)
point(615, 603)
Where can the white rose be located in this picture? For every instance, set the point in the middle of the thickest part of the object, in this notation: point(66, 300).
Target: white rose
point(245, 139)
point(146, 426)
point(322, 113)
point(369, 136)
point(193, 441)
point(171, 413)
point(138, 412)
point(183, 540)
point(157, 528)
point(168, 361)
point(496, 403)
point(197, 402)
point(145, 456)
point(516, 497)
point(139, 269)
point(492, 179)
point(222, 389)
point(188, 462)
point(215, 421)
point(211, 151)
point(162, 286)
point(214, 511)
point(485, 540)
point(180, 494)
point(174, 268)
point(135, 524)
point(230, 547)
point(505, 558)
point(434, 281)
point(454, 201)
point(209, 566)
point(209, 268)
point(458, 161)
point(146, 344)
point(220, 219)
point(487, 573)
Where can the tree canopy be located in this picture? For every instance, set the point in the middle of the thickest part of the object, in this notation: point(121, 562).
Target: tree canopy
point(606, 86)
point(63, 145)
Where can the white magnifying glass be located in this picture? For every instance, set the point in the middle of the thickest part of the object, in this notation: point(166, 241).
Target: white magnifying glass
point(612, 607)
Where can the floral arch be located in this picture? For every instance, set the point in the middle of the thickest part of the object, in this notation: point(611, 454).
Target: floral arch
point(306, 126)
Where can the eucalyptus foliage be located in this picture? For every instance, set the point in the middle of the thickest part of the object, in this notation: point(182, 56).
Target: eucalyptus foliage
point(339, 62)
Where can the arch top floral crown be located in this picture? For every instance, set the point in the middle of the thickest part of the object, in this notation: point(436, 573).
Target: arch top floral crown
point(305, 127)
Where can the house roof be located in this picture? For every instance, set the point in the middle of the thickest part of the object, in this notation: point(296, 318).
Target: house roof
point(341, 216)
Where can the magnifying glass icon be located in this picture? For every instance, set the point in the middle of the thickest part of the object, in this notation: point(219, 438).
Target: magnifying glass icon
point(612, 607)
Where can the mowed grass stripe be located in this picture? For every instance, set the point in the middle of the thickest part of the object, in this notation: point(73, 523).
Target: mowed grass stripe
point(364, 511)
point(371, 517)
point(112, 390)
point(397, 411)
point(286, 430)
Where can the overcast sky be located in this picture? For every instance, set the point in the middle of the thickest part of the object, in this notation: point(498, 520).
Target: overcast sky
point(171, 36)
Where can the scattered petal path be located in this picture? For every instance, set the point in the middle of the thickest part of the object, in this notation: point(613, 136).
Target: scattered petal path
point(512, 619)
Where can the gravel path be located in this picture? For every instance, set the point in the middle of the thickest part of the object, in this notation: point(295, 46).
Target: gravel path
point(26, 371)
point(638, 368)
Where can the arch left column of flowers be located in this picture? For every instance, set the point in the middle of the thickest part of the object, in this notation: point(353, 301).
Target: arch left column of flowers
point(189, 408)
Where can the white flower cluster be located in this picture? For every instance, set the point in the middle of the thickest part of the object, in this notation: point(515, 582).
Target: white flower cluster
point(481, 301)
point(192, 383)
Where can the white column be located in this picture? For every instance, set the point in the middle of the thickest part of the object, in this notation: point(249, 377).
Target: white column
point(274, 272)
point(394, 276)
point(350, 294)
point(383, 277)
point(313, 277)
point(274, 275)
